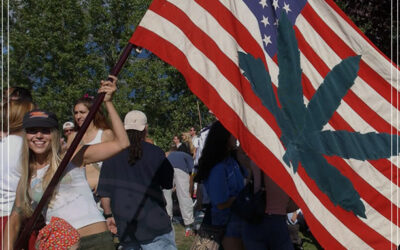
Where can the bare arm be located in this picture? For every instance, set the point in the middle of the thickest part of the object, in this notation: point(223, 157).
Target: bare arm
point(104, 150)
point(106, 204)
point(13, 226)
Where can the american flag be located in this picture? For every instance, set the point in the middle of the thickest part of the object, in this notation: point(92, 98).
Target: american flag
point(201, 38)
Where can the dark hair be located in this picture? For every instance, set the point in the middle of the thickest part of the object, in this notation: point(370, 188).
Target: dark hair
point(99, 120)
point(20, 94)
point(135, 148)
point(215, 150)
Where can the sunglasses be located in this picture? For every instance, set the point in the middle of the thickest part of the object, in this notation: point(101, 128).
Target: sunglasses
point(32, 131)
point(68, 130)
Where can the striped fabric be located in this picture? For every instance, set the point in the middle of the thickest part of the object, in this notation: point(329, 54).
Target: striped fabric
point(201, 39)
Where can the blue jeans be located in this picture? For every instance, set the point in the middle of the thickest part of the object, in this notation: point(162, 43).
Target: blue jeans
point(272, 234)
point(162, 242)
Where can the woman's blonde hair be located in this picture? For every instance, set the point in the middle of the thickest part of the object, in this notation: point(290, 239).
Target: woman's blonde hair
point(27, 160)
point(13, 114)
point(188, 139)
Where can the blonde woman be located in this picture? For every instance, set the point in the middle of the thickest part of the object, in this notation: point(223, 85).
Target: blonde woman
point(11, 150)
point(187, 140)
point(72, 199)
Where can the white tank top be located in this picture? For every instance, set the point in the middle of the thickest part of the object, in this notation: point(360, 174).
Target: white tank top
point(10, 171)
point(73, 201)
point(97, 139)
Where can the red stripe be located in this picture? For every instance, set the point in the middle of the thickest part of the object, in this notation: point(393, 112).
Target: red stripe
point(371, 77)
point(359, 106)
point(210, 97)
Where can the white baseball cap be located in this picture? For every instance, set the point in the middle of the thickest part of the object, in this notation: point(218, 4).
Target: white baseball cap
point(68, 125)
point(136, 120)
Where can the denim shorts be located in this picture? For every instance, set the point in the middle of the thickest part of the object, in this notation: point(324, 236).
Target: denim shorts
point(161, 242)
point(234, 227)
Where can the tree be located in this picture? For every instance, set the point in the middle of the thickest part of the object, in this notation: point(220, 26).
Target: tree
point(61, 49)
point(373, 17)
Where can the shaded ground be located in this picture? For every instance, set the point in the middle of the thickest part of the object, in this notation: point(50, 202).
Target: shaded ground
point(184, 243)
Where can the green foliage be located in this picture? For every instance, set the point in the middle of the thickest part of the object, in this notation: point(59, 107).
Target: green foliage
point(61, 49)
point(373, 17)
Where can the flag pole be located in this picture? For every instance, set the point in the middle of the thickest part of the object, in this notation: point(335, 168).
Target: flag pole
point(198, 111)
point(23, 238)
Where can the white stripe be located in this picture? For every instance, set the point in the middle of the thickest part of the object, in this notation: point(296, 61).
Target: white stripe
point(355, 41)
point(229, 94)
point(360, 87)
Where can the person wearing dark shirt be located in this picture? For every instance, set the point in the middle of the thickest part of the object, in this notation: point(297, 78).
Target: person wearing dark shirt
point(180, 146)
point(130, 187)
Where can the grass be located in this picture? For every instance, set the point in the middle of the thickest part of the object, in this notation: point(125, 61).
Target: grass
point(184, 243)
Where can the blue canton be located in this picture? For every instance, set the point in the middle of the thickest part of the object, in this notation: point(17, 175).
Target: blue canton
point(268, 12)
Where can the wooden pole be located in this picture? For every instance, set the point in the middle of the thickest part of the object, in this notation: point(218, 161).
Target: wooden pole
point(198, 111)
point(23, 239)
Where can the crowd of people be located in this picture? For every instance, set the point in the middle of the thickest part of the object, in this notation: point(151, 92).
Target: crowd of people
point(116, 192)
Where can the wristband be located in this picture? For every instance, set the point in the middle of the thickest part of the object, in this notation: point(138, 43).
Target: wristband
point(106, 216)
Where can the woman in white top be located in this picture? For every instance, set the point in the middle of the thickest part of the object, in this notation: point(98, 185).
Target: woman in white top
point(10, 148)
point(72, 199)
point(98, 131)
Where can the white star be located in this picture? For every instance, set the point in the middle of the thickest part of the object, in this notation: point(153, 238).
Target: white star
point(265, 21)
point(286, 8)
point(267, 40)
point(275, 4)
point(263, 3)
